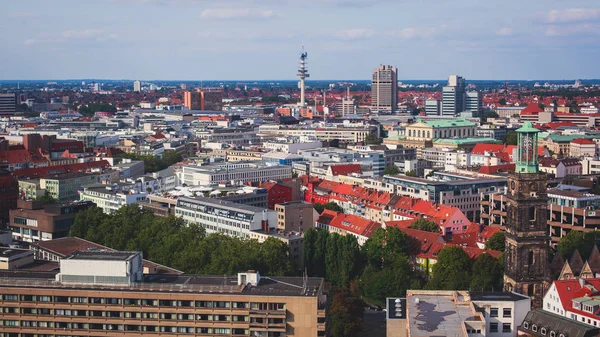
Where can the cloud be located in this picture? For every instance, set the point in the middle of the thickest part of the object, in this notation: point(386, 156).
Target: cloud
point(579, 29)
point(30, 42)
point(254, 36)
point(572, 15)
point(355, 34)
point(409, 33)
point(504, 31)
point(236, 13)
point(22, 15)
point(82, 34)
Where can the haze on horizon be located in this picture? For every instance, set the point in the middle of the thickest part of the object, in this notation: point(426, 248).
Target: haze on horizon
point(261, 39)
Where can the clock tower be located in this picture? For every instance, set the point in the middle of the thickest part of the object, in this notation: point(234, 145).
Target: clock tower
point(526, 268)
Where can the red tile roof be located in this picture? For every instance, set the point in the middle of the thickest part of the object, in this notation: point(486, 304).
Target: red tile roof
point(492, 169)
point(532, 109)
point(59, 169)
point(345, 169)
point(583, 141)
point(327, 216)
point(354, 224)
point(488, 232)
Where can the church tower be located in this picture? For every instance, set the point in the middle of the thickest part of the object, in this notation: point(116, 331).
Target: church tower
point(526, 254)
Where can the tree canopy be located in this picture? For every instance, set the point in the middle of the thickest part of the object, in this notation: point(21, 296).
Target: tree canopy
point(511, 138)
point(496, 242)
point(487, 274)
point(582, 241)
point(186, 247)
point(330, 206)
point(153, 163)
point(391, 170)
point(91, 108)
point(372, 139)
point(425, 225)
point(452, 270)
point(411, 173)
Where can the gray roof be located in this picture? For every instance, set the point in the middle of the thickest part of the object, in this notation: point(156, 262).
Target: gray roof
point(559, 324)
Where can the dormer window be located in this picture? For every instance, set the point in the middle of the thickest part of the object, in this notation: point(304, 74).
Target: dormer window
point(525, 325)
point(534, 328)
point(552, 333)
point(543, 331)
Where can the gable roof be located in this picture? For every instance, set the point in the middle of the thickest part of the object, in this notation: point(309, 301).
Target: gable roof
point(583, 141)
point(354, 224)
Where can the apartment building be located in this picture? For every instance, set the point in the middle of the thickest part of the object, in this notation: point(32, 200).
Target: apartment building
point(223, 216)
point(295, 216)
point(32, 221)
point(106, 293)
point(111, 197)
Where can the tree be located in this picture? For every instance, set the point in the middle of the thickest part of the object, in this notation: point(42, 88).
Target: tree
point(487, 274)
point(91, 108)
point(411, 173)
point(330, 206)
point(425, 225)
point(294, 174)
point(496, 242)
point(391, 281)
point(511, 138)
point(346, 314)
point(46, 198)
point(386, 244)
point(391, 170)
point(372, 139)
point(502, 101)
point(577, 240)
point(488, 114)
point(452, 270)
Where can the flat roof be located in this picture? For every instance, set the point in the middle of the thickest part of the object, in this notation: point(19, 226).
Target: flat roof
point(221, 203)
point(10, 252)
point(496, 296)
point(436, 314)
point(101, 255)
point(209, 284)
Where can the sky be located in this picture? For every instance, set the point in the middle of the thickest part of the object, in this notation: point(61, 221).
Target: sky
point(262, 39)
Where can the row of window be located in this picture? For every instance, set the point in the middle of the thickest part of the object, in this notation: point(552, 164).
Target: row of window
point(505, 327)
point(123, 327)
point(506, 312)
point(543, 331)
point(143, 302)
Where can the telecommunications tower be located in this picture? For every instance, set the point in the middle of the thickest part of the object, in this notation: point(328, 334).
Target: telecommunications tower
point(303, 74)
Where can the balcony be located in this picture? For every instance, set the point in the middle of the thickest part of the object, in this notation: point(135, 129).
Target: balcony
point(267, 313)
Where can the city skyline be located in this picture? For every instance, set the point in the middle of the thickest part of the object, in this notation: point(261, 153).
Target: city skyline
point(246, 39)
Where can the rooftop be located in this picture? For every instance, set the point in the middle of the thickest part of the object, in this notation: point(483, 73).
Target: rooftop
point(221, 203)
point(101, 255)
point(448, 123)
point(436, 313)
point(496, 296)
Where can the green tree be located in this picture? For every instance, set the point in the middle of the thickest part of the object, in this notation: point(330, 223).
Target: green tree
point(411, 173)
point(502, 101)
point(577, 240)
point(511, 138)
point(487, 274)
point(496, 242)
point(391, 281)
point(46, 198)
point(346, 314)
point(386, 244)
point(425, 225)
point(488, 114)
point(452, 270)
point(342, 260)
point(391, 170)
point(332, 206)
point(91, 108)
point(372, 139)
point(294, 174)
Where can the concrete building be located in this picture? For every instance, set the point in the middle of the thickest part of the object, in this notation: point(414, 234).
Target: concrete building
point(137, 86)
point(111, 197)
point(8, 104)
point(423, 133)
point(129, 168)
point(192, 100)
point(32, 221)
point(223, 216)
point(583, 147)
point(292, 145)
point(65, 187)
point(468, 314)
point(295, 216)
point(453, 96)
point(106, 293)
point(235, 173)
point(473, 102)
point(433, 107)
point(384, 89)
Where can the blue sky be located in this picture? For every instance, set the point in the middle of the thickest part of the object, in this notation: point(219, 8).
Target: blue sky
point(261, 39)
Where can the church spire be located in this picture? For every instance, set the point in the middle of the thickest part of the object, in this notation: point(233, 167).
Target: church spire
point(527, 158)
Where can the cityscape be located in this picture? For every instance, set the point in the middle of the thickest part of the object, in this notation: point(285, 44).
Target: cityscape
point(432, 173)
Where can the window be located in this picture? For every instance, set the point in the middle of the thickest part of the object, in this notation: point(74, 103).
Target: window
point(534, 328)
point(543, 331)
point(493, 327)
point(525, 325)
point(552, 333)
point(493, 312)
point(10, 297)
point(507, 312)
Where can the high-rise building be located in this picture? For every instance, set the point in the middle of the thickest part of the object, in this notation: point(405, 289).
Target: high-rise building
point(193, 100)
point(8, 104)
point(453, 96)
point(137, 86)
point(303, 74)
point(432, 107)
point(527, 238)
point(473, 101)
point(384, 88)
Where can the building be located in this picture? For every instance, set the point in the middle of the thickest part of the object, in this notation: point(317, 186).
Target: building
point(111, 197)
point(433, 107)
point(192, 100)
point(473, 102)
point(295, 216)
point(65, 187)
point(223, 216)
point(33, 221)
point(235, 173)
point(9, 193)
point(384, 89)
point(107, 293)
point(560, 168)
point(527, 239)
point(8, 104)
point(129, 168)
point(453, 96)
point(541, 323)
point(491, 314)
point(294, 241)
point(347, 224)
point(582, 147)
point(422, 133)
point(137, 86)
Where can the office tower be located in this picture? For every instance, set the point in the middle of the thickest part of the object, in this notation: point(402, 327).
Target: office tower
point(473, 101)
point(432, 107)
point(97, 87)
point(183, 86)
point(137, 86)
point(384, 89)
point(8, 104)
point(100, 293)
point(453, 96)
point(193, 100)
